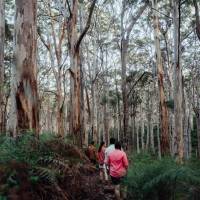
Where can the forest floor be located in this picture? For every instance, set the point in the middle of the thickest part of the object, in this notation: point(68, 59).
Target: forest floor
point(52, 168)
point(49, 168)
point(97, 189)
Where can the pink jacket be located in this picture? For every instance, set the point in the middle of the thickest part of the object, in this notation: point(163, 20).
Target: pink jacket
point(118, 163)
point(101, 155)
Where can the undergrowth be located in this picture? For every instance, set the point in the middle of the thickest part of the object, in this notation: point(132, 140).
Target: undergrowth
point(49, 168)
point(153, 179)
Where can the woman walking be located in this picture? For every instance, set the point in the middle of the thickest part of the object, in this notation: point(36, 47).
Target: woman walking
point(101, 157)
point(118, 166)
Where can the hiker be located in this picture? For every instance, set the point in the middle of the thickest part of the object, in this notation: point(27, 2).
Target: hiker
point(108, 150)
point(101, 157)
point(118, 165)
point(92, 153)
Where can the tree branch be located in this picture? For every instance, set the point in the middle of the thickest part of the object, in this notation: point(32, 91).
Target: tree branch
point(87, 26)
point(43, 40)
point(162, 13)
point(68, 6)
point(135, 19)
point(135, 84)
point(71, 73)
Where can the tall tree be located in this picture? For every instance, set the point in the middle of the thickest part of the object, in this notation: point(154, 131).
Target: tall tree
point(76, 86)
point(2, 40)
point(125, 38)
point(197, 106)
point(165, 144)
point(197, 18)
point(24, 113)
point(178, 87)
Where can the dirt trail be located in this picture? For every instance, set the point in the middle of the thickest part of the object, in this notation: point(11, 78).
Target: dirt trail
point(96, 189)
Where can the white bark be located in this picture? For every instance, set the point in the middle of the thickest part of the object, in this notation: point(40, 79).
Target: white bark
point(2, 40)
point(142, 134)
point(152, 137)
point(178, 88)
point(158, 141)
point(138, 139)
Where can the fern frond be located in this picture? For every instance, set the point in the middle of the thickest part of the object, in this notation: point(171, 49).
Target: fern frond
point(44, 174)
point(57, 164)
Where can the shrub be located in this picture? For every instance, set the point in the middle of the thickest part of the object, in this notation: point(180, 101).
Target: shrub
point(153, 179)
point(48, 168)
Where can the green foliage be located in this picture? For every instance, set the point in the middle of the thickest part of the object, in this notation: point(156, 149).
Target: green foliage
point(154, 179)
point(36, 163)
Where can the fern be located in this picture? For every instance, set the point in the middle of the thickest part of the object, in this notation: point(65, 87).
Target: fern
point(152, 179)
point(44, 174)
point(55, 163)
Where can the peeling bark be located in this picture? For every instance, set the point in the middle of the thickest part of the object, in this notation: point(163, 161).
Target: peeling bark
point(165, 144)
point(24, 113)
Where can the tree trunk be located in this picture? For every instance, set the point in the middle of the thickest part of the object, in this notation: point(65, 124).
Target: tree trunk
point(125, 36)
point(197, 112)
point(178, 88)
point(118, 109)
point(98, 116)
point(48, 115)
point(138, 139)
point(186, 125)
point(2, 40)
point(158, 141)
point(152, 137)
point(172, 134)
point(132, 132)
point(165, 145)
point(76, 82)
point(142, 134)
point(148, 136)
point(24, 109)
point(149, 111)
point(75, 90)
point(60, 114)
point(124, 49)
point(93, 116)
point(106, 124)
point(197, 18)
point(190, 137)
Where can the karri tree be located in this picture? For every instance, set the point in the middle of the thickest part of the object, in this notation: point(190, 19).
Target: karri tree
point(24, 113)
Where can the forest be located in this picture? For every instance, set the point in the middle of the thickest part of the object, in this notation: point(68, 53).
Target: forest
point(74, 72)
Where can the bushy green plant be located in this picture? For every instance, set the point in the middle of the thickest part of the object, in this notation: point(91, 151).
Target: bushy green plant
point(153, 179)
point(37, 163)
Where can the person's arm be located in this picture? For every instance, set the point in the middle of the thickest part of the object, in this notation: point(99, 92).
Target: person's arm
point(125, 161)
point(108, 164)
